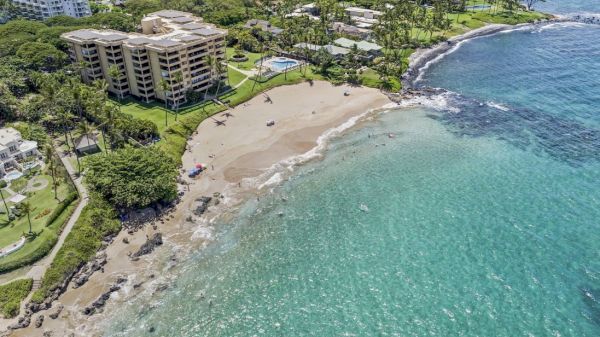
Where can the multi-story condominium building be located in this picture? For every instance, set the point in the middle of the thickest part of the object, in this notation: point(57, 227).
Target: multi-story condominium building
point(175, 53)
point(13, 150)
point(44, 9)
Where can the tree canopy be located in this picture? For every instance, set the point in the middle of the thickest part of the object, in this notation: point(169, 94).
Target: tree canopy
point(133, 177)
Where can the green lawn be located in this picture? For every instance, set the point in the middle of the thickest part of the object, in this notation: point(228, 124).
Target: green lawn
point(246, 65)
point(173, 136)
point(235, 76)
point(43, 204)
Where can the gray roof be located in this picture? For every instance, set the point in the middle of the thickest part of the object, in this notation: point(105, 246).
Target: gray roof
point(331, 49)
point(189, 38)
point(205, 31)
point(170, 14)
point(193, 25)
point(139, 40)
point(114, 37)
point(335, 50)
point(165, 43)
point(182, 19)
point(85, 34)
point(85, 142)
point(362, 45)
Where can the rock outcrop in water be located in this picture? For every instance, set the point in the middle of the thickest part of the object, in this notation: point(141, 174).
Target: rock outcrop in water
point(202, 205)
point(149, 245)
point(101, 301)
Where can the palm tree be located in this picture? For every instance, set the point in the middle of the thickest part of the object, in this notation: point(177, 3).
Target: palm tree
point(115, 73)
point(210, 61)
point(178, 78)
point(219, 69)
point(49, 154)
point(76, 90)
point(65, 120)
point(107, 126)
point(3, 184)
point(86, 130)
point(26, 207)
point(165, 86)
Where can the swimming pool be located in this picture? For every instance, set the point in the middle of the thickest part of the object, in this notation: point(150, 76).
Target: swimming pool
point(13, 175)
point(280, 64)
point(478, 7)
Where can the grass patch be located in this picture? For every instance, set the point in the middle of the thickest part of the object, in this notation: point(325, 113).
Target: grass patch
point(246, 65)
point(12, 294)
point(97, 221)
point(235, 76)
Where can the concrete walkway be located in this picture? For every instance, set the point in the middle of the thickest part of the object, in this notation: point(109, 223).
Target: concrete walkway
point(39, 268)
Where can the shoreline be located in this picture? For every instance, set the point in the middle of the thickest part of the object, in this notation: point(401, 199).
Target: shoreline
point(423, 57)
point(252, 168)
point(244, 158)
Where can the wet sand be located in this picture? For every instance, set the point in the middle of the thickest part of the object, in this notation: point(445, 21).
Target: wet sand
point(235, 154)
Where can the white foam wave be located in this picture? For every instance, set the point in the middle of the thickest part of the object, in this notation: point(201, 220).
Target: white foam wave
point(438, 58)
point(439, 102)
point(559, 25)
point(275, 174)
point(498, 106)
point(274, 180)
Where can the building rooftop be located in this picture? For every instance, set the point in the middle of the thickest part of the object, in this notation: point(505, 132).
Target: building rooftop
point(362, 45)
point(162, 29)
point(264, 25)
point(363, 10)
point(9, 135)
point(331, 49)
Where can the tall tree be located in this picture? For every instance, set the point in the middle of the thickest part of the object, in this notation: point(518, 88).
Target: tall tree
point(178, 78)
point(165, 87)
point(26, 207)
point(115, 75)
point(50, 154)
point(3, 184)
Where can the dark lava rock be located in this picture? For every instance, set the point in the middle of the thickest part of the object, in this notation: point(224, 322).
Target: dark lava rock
point(57, 312)
point(39, 321)
point(149, 245)
point(202, 205)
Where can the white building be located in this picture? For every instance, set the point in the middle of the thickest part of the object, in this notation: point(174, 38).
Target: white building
point(13, 150)
point(44, 9)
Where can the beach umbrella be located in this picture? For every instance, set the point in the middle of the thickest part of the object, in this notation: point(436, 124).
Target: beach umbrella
point(199, 166)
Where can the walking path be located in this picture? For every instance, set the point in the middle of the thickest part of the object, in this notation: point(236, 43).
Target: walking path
point(248, 73)
point(39, 268)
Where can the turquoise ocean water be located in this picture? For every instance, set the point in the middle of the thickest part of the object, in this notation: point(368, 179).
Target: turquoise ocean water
point(480, 218)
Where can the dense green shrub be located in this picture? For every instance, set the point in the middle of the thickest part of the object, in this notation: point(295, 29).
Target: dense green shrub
point(12, 294)
point(97, 220)
point(133, 177)
point(61, 207)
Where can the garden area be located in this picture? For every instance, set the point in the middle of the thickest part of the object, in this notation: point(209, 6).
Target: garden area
point(34, 223)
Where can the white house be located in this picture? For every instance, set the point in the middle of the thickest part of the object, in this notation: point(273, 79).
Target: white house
point(13, 150)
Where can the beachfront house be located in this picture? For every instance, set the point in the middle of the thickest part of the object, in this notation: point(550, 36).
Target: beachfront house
point(335, 51)
point(342, 28)
point(14, 150)
point(372, 50)
point(265, 26)
point(362, 17)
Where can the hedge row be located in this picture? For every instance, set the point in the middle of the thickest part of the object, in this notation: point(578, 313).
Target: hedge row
point(12, 294)
point(97, 220)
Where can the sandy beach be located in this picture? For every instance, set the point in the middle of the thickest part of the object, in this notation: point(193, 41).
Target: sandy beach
point(236, 151)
